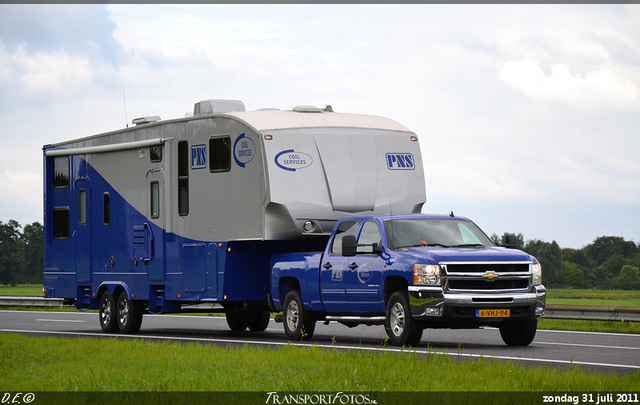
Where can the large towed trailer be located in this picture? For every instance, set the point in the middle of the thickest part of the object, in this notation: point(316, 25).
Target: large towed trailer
point(167, 215)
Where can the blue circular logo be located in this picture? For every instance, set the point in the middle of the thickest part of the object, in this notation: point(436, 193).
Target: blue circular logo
point(244, 150)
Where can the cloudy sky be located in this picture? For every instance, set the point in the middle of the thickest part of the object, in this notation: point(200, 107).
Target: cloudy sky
point(528, 116)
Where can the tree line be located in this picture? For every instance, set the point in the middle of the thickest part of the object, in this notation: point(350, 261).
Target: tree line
point(21, 253)
point(609, 262)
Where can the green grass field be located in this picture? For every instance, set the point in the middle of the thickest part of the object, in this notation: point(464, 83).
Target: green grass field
point(21, 290)
point(606, 298)
point(82, 364)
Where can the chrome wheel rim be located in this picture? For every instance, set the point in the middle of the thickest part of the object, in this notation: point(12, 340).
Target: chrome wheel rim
point(105, 312)
point(293, 315)
point(123, 312)
point(397, 321)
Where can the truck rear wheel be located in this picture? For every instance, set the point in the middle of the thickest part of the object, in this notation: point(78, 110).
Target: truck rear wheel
point(129, 314)
point(108, 321)
point(401, 328)
point(236, 320)
point(258, 320)
point(298, 323)
point(520, 333)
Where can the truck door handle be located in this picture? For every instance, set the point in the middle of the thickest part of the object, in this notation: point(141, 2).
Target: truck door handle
point(327, 265)
point(353, 266)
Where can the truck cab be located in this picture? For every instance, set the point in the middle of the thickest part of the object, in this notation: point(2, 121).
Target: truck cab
point(410, 272)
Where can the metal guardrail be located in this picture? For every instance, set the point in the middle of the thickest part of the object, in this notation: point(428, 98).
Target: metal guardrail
point(31, 302)
point(590, 313)
point(580, 312)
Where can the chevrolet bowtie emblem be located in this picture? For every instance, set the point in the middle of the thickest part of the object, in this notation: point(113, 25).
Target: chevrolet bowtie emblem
point(490, 276)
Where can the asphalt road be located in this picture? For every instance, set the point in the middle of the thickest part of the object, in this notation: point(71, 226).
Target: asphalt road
point(595, 351)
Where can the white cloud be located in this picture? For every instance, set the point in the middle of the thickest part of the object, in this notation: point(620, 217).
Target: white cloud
point(598, 91)
point(56, 72)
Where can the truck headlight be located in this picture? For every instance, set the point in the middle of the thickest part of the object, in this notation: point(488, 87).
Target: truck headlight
point(426, 274)
point(536, 270)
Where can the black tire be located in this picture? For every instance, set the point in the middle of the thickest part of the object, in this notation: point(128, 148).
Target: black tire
point(129, 314)
point(258, 320)
point(401, 328)
point(237, 321)
point(298, 323)
point(519, 333)
point(107, 318)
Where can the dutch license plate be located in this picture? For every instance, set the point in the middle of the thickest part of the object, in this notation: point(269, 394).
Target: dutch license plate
point(493, 313)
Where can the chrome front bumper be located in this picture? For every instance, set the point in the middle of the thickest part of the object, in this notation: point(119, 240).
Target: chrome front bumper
point(434, 304)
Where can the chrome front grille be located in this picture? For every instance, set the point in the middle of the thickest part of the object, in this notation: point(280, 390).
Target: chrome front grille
point(513, 284)
point(487, 267)
point(486, 276)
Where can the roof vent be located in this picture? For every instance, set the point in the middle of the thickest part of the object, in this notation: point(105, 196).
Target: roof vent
point(217, 106)
point(306, 109)
point(145, 120)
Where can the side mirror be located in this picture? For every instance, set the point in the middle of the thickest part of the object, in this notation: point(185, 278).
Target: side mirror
point(511, 241)
point(349, 244)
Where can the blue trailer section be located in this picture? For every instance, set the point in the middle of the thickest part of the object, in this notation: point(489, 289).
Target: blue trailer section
point(167, 214)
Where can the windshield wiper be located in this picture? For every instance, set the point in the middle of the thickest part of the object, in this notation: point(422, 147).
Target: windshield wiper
point(470, 245)
point(424, 245)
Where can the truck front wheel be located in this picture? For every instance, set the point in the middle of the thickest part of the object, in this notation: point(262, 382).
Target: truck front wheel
point(298, 323)
point(520, 333)
point(401, 328)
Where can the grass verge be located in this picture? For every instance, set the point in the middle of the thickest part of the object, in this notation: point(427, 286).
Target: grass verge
point(53, 364)
point(605, 298)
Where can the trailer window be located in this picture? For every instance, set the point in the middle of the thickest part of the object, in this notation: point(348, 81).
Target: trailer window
point(220, 154)
point(61, 172)
point(155, 199)
point(61, 223)
point(82, 206)
point(155, 153)
point(183, 178)
point(106, 208)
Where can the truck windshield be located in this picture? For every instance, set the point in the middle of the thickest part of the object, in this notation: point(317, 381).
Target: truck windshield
point(407, 233)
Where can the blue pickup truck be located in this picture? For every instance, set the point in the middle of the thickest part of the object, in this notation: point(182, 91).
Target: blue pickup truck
point(410, 272)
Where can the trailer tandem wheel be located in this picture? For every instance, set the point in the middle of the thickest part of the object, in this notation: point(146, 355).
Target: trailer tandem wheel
point(108, 321)
point(129, 314)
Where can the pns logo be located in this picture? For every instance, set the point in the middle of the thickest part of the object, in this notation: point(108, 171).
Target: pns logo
point(198, 157)
point(400, 161)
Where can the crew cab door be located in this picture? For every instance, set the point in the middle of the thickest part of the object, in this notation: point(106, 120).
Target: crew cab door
point(333, 283)
point(352, 284)
point(364, 272)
